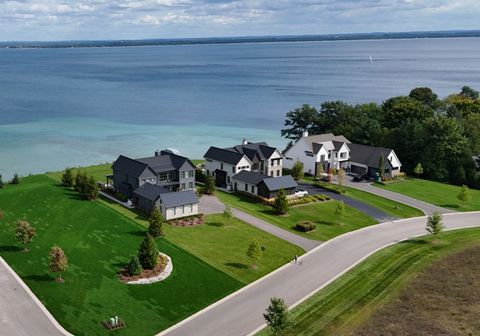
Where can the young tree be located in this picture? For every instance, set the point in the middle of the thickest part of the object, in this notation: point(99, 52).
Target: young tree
point(148, 252)
point(435, 224)
point(15, 179)
point(381, 166)
point(277, 316)
point(341, 178)
point(297, 171)
point(90, 189)
point(320, 170)
point(67, 178)
point(81, 182)
point(254, 252)
point(464, 196)
point(418, 170)
point(156, 224)
point(280, 204)
point(340, 212)
point(2, 184)
point(209, 186)
point(24, 233)
point(134, 267)
point(227, 213)
point(58, 262)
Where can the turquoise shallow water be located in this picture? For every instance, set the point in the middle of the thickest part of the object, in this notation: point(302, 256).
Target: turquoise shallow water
point(68, 107)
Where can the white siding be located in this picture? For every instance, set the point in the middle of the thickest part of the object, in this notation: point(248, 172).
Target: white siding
point(297, 153)
point(212, 165)
point(181, 211)
point(241, 187)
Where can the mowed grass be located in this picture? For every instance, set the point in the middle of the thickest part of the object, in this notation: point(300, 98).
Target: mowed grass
point(345, 305)
point(98, 241)
point(99, 172)
point(321, 213)
point(225, 246)
point(440, 194)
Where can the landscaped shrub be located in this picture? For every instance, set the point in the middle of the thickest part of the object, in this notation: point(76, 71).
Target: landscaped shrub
point(199, 175)
point(15, 179)
point(134, 267)
point(330, 187)
point(306, 226)
point(148, 253)
point(67, 178)
point(121, 197)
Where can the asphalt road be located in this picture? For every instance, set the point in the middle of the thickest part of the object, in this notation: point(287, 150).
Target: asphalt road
point(369, 210)
point(241, 313)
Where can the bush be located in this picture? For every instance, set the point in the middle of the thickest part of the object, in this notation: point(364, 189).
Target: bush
point(134, 267)
point(15, 179)
point(121, 197)
point(330, 187)
point(67, 178)
point(306, 226)
point(148, 252)
point(199, 175)
point(2, 184)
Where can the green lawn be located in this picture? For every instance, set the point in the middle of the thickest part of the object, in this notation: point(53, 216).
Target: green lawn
point(322, 213)
point(225, 247)
point(98, 241)
point(390, 207)
point(98, 171)
point(440, 194)
point(341, 307)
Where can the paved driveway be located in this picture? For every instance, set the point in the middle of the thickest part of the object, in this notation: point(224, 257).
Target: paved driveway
point(427, 208)
point(21, 313)
point(241, 313)
point(211, 205)
point(369, 210)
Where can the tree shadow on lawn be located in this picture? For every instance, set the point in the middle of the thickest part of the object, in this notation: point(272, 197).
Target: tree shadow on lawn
point(419, 241)
point(216, 224)
point(451, 206)
point(39, 277)
point(10, 248)
point(236, 265)
point(138, 233)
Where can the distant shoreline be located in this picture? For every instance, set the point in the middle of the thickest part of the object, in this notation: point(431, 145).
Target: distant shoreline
point(239, 40)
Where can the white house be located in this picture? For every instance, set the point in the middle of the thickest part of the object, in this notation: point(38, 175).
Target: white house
point(330, 151)
point(224, 163)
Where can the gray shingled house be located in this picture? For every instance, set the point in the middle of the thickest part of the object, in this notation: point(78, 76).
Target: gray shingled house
point(263, 185)
point(365, 160)
point(165, 180)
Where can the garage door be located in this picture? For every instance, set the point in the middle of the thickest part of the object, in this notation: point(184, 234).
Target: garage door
point(358, 169)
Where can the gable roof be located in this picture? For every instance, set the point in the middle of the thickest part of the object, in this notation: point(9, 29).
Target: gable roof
point(179, 198)
point(319, 138)
point(369, 155)
point(150, 191)
point(337, 144)
point(166, 161)
point(262, 149)
point(249, 177)
point(129, 166)
point(223, 155)
point(280, 182)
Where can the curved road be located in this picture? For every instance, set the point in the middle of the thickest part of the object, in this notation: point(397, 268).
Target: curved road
point(241, 313)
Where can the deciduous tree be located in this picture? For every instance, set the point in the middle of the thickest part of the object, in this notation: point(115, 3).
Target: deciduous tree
point(297, 171)
point(435, 224)
point(227, 214)
point(58, 262)
point(340, 212)
point(24, 233)
point(255, 252)
point(277, 317)
point(209, 186)
point(418, 170)
point(304, 118)
point(464, 195)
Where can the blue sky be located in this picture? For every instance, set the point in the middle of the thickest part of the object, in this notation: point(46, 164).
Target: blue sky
point(137, 19)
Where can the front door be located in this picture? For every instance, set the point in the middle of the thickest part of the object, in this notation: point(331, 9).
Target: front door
point(221, 178)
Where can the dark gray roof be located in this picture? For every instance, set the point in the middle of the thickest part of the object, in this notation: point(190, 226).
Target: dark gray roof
point(369, 155)
point(223, 155)
point(166, 161)
point(316, 147)
point(249, 177)
point(179, 198)
point(280, 182)
point(337, 145)
point(151, 191)
point(129, 166)
point(262, 149)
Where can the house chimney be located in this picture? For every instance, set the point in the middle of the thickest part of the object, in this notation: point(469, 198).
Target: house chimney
point(244, 141)
point(157, 152)
point(305, 134)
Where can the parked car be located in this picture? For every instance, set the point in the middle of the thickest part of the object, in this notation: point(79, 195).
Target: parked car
point(301, 193)
point(360, 178)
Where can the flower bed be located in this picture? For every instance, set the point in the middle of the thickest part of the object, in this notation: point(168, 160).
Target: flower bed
point(146, 274)
point(188, 221)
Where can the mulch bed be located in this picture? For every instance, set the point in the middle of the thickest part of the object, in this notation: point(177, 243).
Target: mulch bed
point(125, 277)
point(188, 221)
point(107, 325)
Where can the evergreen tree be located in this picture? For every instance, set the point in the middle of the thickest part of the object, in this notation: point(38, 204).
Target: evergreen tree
point(381, 166)
point(255, 252)
point(280, 204)
point(148, 252)
point(209, 186)
point(58, 262)
point(134, 267)
point(340, 212)
point(81, 181)
point(227, 214)
point(418, 170)
point(15, 179)
point(90, 189)
point(67, 178)
point(24, 233)
point(464, 196)
point(435, 224)
point(155, 228)
point(297, 171)
point(2, 184)
point(277, 317)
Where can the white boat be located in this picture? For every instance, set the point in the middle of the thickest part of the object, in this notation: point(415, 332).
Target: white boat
point(371, 59)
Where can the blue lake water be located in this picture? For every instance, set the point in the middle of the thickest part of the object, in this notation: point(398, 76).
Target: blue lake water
point(69, 107)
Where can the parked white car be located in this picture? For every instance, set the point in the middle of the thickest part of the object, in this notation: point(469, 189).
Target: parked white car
point(301, 193)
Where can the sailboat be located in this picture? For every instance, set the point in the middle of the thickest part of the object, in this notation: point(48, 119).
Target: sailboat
point(371, 59)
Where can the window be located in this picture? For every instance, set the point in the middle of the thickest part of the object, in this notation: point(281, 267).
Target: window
point(252, 189)
point(191, 207)
point(190, 185)
point(278, 172)
point(163, 177)
point(183, 174)
point(182, 186)
point(246, 187)
point(271, 173)
point(228, 179)
point(343, 155)
point(233, 169)
point(221, 166)
point(322, 157)
point(336, 154)
point(174, 210)
point(192, 173)
point(183, 209)
point(329, 154)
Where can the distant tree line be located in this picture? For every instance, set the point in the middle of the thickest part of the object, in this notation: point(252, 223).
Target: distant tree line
point(442, 135)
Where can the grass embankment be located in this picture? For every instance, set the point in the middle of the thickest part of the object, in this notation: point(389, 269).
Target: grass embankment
point(440, 194)
point(389, 207)
point(222, 246)
point(321, 213)
point(98, 242)
point(99, 172)
point(349, 302)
